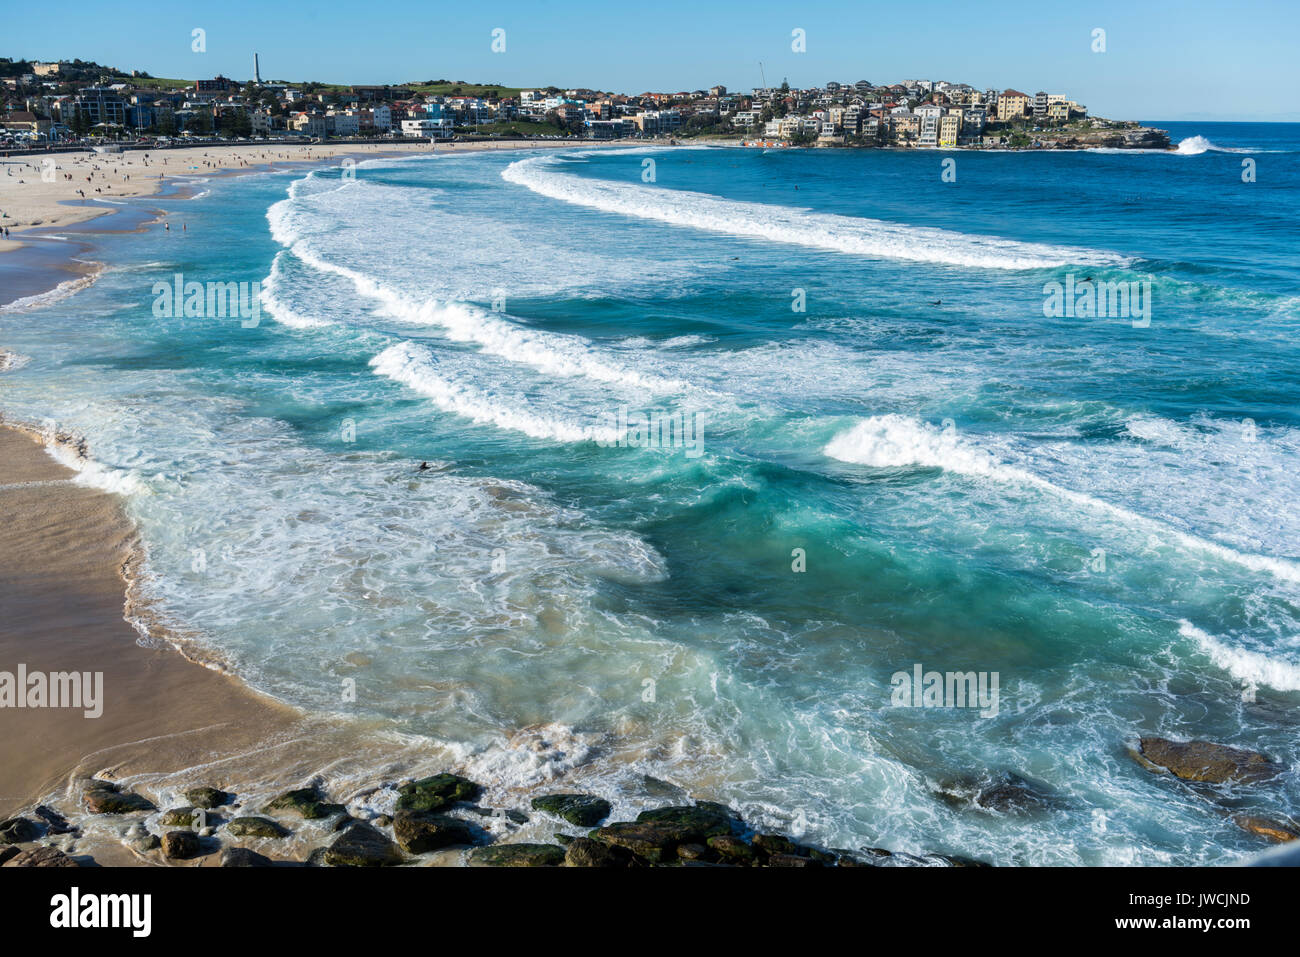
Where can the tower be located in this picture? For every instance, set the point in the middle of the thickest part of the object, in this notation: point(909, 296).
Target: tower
point(257, 72)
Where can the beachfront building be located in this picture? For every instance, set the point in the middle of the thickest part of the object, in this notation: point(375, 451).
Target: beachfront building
point(949, 129)
point(432, 127)
point(98, 105)
point(929, 115)
point(1012, 105)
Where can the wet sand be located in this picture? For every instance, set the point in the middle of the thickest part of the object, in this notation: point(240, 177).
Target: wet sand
point(63, 548)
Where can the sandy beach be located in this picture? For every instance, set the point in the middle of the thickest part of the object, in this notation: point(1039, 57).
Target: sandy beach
point(30, 199)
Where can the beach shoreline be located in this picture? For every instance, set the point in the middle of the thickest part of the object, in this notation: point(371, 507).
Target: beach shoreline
point(37, 260)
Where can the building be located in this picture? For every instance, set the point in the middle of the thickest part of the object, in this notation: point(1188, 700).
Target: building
point(949, 130)
point(98, 105)
point(439, 128)
point(219, 84)
point(1012, 105)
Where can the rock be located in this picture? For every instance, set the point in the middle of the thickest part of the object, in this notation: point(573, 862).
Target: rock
point(581, 810)
point(437, 792)
point(733, 849)
point(105, 797)
point(1003, 792)
point(654, 842)
point(180, 845)
point(695, 852)
point(243, 857)
point(1208, 762)
point(18, 830)
point(1279, 831)
point(584, 852)
point(55, 823)
point(848, 860)
point(876, 854)
point(790, 860)
point(517, 855)
point(178, 817)
point(142, 843)
point(822, 857)
point(516, 817)
point(774, 844)
point(41, 857)
point(362, 846)
point(255, 827)
point(8, 851)
point(663, 790)
point(383, 820)
point(421, 831)
point(704, 819)
point(307, 802)
point(207, 798)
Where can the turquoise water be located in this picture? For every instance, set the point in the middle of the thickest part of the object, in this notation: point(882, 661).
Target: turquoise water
point(1098, 510)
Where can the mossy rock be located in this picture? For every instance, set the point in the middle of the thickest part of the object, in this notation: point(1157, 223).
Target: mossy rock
point(243, 857)
point(655, 842)
point(208, 798)
point(1207, 762)
point(437, 792)
point(420, 831)
point(517, 855)
point(733, 849)
point(255, 827)
point(704, 820)
point(105, 797)
point(178, 817)
point(18, 830)
point(361, 846)
point(307, 802)
point(775, 844)
point(581, 810)
point(584, 852)
point(180, 845)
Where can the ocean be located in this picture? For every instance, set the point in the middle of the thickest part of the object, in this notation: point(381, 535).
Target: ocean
point(720, 443)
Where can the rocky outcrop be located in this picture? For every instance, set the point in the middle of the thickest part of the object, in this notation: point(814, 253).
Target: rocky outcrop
point(1002, 792)
point(1281, 832)
point(253, 826)
point(584, 852)
point(105, 797)
point(420, 831)
point(243, 857)
point(360, 845)
point(436, 793)
point(1206, 762)
point(581, 810)
point(307, 802)
point(208, 798)
point(41, 857)
point(55, 823)
point(18, 830)
point(704, 819)
point(518, 855)
point(180, 845)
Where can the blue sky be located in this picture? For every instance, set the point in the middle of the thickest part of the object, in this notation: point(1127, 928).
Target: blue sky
point(1172, 59)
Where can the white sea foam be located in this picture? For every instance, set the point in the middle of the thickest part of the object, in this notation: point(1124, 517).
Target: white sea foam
point(12, 361)
point(96, 474)
point(62, 291)
point(895, 441)
point(1250, 667)
point(1196, 145)
point(493, 332)
point(416, 366)
point(845, 234)
point(279, 310)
